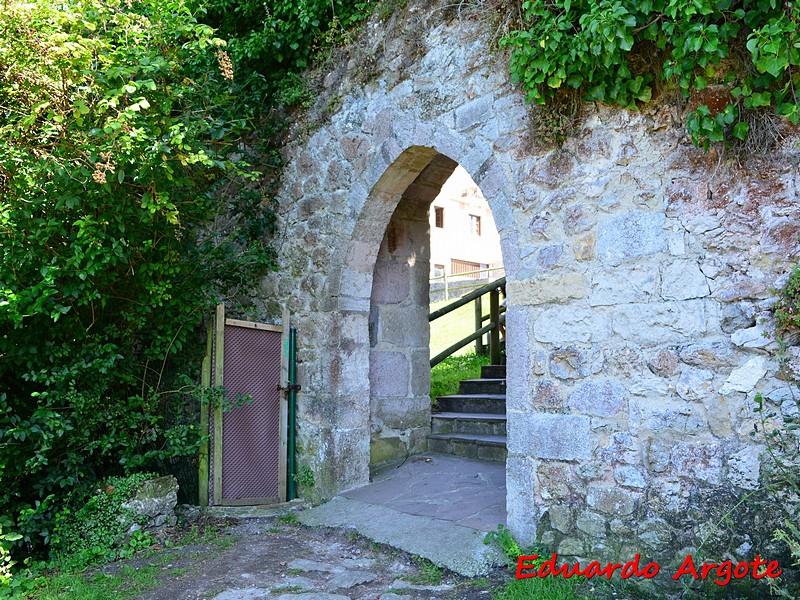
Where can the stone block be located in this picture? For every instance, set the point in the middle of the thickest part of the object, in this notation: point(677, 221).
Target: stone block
point(344, 465)
point(520, 498)
point(708, 355)
point(518, 354)
point(391, 283)
point(657, 454)
point(623, 286)
point(561, 518)
point(737, 315)
point(759, 336)
point(622, 448)
point(404, 413)
point(556, 480)
point(739, 287)
point(667, 322)
point(698, 461)
point(546, 395)
point(403, 326)
point(604, 398)
point(532, 292)
point(493, 180)
point(631, 235)
point(559, 437)
point(629, 476)
point(676, 417)
point(584, 247)
point(611, 500)
point(655, 533)
point(474, 112)
point(421, 373)
point(591, 523)
point(745, 378)
point(718, 415)
point(572, 363)
point(570, 547)
point(695, 384)
point(549, 256)
point(663, 364)
point(683, 280)
point(780, 237)
point(388, 374)
point(578, 218)
point(387, 450)
point(565, 324)
point(744, 467)
point(155, 500)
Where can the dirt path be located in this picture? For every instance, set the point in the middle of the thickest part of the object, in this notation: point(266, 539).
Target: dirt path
point(270, 559)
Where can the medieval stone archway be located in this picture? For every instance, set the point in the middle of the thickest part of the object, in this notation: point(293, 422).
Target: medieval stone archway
point(387, 262)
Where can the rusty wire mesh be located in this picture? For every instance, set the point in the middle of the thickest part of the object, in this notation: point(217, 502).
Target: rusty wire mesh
point(251, 432)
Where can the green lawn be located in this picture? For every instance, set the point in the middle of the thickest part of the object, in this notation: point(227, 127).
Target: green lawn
point(454, 326)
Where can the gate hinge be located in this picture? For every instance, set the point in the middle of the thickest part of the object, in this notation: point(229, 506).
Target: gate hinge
point(295, 387)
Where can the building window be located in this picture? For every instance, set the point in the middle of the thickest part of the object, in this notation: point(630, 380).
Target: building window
point(458, 267)
point(475, 224)
point(438, 270)
point(439, 210)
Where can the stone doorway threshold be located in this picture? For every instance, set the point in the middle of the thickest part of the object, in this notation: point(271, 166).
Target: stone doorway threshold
point(436, 506)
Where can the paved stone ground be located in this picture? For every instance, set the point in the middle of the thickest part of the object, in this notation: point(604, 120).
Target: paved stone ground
point(363, 545)
point(468, 492)
point(273, 559)
point(435, 506)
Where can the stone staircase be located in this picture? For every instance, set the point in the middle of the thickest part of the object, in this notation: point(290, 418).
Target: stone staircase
point(472, 423)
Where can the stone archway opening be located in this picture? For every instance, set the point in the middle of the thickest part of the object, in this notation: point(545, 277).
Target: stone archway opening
point(399, 332)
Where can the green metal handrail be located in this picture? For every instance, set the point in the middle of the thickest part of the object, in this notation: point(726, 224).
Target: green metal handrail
point(496, 318)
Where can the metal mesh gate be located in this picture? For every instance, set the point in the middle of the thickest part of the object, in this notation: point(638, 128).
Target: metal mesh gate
point(248, 442)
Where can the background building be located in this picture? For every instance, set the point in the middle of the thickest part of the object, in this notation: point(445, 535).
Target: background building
point(464, 237)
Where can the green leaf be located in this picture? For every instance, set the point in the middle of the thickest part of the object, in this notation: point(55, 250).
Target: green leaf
point(740, 130)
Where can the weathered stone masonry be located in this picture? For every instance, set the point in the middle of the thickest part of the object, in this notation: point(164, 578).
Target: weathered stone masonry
point(639, 274)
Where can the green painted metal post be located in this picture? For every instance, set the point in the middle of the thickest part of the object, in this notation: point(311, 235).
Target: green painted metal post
point(290, 438)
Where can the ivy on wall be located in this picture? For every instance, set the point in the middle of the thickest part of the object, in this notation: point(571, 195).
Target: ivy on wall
point(623, 52)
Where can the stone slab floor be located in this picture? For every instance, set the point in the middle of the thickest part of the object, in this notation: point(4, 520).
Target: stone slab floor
point(468, 492)
point(435, 506)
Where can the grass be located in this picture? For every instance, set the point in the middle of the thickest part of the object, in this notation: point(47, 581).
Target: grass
point(57, 582)
point(429, 573)
point(129, 583)
point(454, 326)
point(288, 519)
point(546, 588)
point(446, 376)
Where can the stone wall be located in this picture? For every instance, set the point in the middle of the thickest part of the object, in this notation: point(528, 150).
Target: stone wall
point(639, 273)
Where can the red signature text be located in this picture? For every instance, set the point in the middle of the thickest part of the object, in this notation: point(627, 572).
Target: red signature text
point(720, 573)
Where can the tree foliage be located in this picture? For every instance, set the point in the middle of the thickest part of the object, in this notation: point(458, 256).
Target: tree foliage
point(620, 51)
point(272, 40)
point(126, 210)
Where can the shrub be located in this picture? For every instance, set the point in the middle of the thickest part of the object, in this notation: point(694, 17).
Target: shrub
point(127, 210)
point(96, 531)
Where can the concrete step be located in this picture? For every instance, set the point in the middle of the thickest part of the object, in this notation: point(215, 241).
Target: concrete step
point(470, 423)
point(482, 386)
point(493, 372)
point(483, 447)
point(473, 403)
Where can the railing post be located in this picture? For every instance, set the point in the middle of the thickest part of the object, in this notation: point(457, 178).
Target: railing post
point(446, 295)
point(494, 334)
point(478, 325)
